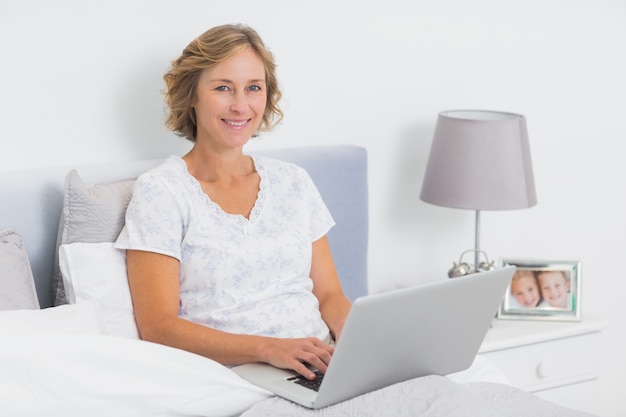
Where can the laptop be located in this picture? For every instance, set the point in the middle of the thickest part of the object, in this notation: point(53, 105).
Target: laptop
point(431, 329)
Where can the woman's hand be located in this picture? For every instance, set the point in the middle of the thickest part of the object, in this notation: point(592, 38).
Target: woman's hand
point(296, 354)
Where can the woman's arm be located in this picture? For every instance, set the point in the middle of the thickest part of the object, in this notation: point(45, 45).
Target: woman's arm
point(155, 289)
point(334, 305)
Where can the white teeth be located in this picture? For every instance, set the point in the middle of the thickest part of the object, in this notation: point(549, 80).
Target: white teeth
point(236, 124)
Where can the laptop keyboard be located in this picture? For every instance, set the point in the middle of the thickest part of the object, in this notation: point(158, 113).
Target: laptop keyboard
point(313, 384)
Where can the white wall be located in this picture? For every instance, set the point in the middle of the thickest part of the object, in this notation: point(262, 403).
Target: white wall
point(80, 82)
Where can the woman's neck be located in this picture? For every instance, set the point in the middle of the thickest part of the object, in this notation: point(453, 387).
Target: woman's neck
point(214, 166)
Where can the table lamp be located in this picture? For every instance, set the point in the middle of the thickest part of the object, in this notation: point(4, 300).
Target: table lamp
point(479, 160)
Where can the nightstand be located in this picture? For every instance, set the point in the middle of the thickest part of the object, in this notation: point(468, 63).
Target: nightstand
point(558, 361)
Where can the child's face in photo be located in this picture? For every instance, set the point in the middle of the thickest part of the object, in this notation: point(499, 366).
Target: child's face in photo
point(525, 290)
point(554, 288)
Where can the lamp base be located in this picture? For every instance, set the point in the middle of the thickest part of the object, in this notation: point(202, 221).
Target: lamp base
point(463, 268)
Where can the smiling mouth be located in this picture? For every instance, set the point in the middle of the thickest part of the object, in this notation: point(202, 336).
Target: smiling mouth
point(236, 124)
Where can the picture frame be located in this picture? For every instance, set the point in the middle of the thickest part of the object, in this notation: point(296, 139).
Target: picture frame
point(557, 295)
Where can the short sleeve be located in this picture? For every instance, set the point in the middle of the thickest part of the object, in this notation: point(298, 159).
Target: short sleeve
point(321, 218)
point(154, 219)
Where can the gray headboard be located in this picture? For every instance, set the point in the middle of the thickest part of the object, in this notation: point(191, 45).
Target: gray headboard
point(31, 202)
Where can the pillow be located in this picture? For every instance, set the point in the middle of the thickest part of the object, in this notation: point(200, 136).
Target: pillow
point(91, 213)
point(79, 318)
point(17, 286)
point(96, 273)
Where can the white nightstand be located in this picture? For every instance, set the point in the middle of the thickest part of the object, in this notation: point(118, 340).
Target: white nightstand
point(558, 361)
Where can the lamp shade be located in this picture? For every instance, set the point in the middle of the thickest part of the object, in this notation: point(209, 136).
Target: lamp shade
point(480, 160)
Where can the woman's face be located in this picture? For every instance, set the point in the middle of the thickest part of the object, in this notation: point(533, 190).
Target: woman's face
point(554, 288)
point(230, 100)
point(526, 291)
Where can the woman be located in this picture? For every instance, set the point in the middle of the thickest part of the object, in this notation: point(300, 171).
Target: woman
point(227, 254)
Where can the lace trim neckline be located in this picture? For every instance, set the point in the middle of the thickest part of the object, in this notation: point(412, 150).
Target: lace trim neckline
point(259, 166)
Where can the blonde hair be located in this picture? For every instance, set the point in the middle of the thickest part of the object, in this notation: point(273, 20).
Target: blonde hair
point(209, 49)
point(523, 273)
point(564, 274)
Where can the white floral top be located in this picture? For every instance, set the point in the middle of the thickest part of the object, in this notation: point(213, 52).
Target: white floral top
point(246, 276)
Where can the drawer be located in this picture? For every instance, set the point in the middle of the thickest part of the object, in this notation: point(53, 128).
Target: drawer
point(549, 364)
point(583, 396)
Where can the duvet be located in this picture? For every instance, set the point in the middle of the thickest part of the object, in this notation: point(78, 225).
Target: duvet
point(81, 374)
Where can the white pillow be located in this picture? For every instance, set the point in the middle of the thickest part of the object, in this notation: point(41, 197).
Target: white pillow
point(96, 272)
point(80, 318)
point(91, 213)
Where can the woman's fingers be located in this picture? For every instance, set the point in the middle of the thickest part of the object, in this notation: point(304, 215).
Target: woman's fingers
point(301, 355)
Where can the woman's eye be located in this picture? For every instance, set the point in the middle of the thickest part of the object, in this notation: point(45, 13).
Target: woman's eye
point(254, 88)
point(222, 88)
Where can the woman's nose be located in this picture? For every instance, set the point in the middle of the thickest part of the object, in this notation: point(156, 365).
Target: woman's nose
point(239, 102)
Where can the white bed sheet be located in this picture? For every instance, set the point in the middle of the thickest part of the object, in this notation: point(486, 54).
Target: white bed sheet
point(79, 374)
point(480, 391)
point(67, 375)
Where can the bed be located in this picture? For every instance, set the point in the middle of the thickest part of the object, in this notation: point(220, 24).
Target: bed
point(68, 341)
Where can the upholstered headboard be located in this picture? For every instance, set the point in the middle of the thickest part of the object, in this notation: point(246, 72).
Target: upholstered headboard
point(31, 202)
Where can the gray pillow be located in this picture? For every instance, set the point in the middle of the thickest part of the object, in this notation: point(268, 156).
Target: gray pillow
point(91, 214)
point(17, 286)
